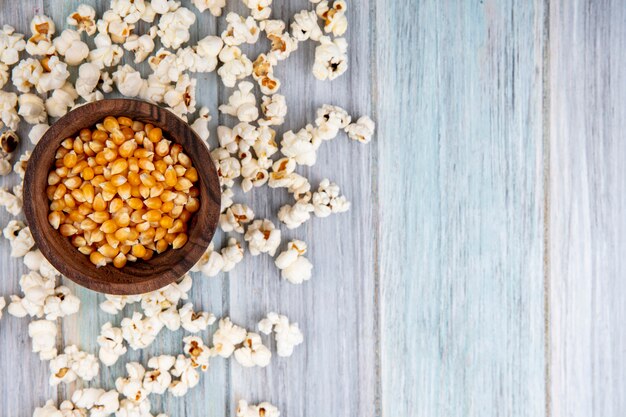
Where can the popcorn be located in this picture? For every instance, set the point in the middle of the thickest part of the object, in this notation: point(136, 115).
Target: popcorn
point(12, 229)
point(26, 74)
point(330, 119)
point(264, 409)
point(296, 215)
point(61, 100)
point(43, 334)
point(211, 262)
point(111, 342)
point(294, 266)
point(87, 81)
point(132, 386)
point(189, 377)
point(139, 332)
point(361, 131)
point(240, 30)
point(36, 290)
point(37, 132)
point(20, 169)
point(170, 318)
point(5, 165)
point(201, 124)
point(130, 408)
point(4, 74)
point(226, 337)
point(253, 352)
point(115, 303)
point(242, 103)
point(48, 410)
point(61, 304)
point(142, 46)
point(282, 46)
point(105, 54)
point(260, 9)
point(86, 398)
point(113, 25)
point(107, 404)
point(288, 335)
point(203, 56)
point(3, 303)
point(35, 261)
point(214, 6)
point(8, 113)
point(11, 44)
point(198, 352)
point(128, 81)
point(54, 76)
point(262, 237)
point(194, 322)
point(335, 20)
point(69, 45)
point(236, 65)
point(300, 146)
point(305, 26)
point(32, 109)
point(227, 199)
point(274, 109)
point(22, 243)
point(331, 59)
point(72, 365)
point(174, 27)
point(182, 98)
point(228, 167)
point(40, 43)
point(84, 19)
point(326, 200)
point(132, 10)
point(158, 380)
point(235, 217)
point(253, 174)
point(232, 254)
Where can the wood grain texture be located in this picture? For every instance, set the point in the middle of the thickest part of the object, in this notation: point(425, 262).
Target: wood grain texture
point(588, 208)
point(461, 201)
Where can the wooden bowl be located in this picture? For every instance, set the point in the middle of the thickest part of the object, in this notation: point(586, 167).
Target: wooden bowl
point(136, 277)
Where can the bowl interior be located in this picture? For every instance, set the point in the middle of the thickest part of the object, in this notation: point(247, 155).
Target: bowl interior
point(136, 277)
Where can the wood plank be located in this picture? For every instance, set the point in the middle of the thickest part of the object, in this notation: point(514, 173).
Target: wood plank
point(588, 208)
point(461, 192)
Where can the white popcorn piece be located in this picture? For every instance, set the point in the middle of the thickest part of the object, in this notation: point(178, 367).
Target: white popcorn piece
point(132, 386)
point(54, 76)
point(111, 342)
point(88, 78)
point(4, 74)
point(296, 215)
point(187, 374)
point(129, 408)
point(242, 103)
point(232, 254)
point(32, 108)
point(294, 267)
point(166, 67)
point(194, 322)
point(170, 318)
point(5, 166)
point(236, 65)
point(362, 130)
point(252, 172)
point(106, 54)
point(26, 74)
point(86, 398)
point(240, 30)
point(274, 109)
point(140, 332)
point(106, 82)
point(11, 44)
point(198, 352)
point(40, 43)
point(8, 111)
point(227, 199)
point(12, 229)
point(69, 45)
point(174, 27)
point(37, 132)
point(128, 81)
point(22, 243)
point(305, 26)
point(228, 167)
point(262, 237)
point(236, 217)
point(259, 9)
point(265, 146)
point(331, 59)
point(327, 199)
point(164, 6)
point(48, 410)
point(84, 19)
point(201, 124)
point(182, 98)
point(43, 334)
point(132, 10)
point(288, 335)
point(334, 17)
point(202, 57)
point(329, 120)
point(158, 380)
point(300, 146)
point(35, 261)
point(107, 404)
point(61, 100)
point(264, 409)
point(142, 46)
point(61, 304)
point(113, 25)
point(282, 46)
point(211, 262)
point(72, 365)
point(20, 169)
point(226, 337)
point(214, 6)
point(3, 303)
point(36, 290)
point(253, 352)
point(115, 303)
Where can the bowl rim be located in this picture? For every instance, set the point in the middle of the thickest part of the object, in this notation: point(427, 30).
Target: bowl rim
point(120, 281)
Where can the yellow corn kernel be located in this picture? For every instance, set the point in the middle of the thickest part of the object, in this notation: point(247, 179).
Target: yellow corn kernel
point(193, 205)
point(125, 121)
point(69, 201)
point(118, 166)
point(125, 249)
point(176, 211)
point(98, 203)
point(109, 154)
point(78, 145)
point(73, 183)
point(97, 259)
point(168, 195)
point(137, 126)
point(62, 172)
point(148, 255)
point(184, 160)
point(50, 190)
point(140, 137)
point(148, 127)
point(86, 250)
point(78, 195)
point(179, 241)
point(191, 174)
point(175, 150)
point(88, 224)
point(155, 134)
point(87, 174)
point(135, 203)
point(145, 164)
point(115, 205)
point(99, 136)
point(124, 191)
point(67, 230)
point(108, 251)
point(171, 179)
point(166, 222)
point(111, 240)
point(153, 203)
point(161, 246)
point(96, 236)
point(167, 207)
point(193, 192)
point(149, 146)
point(142, 227)
point(100, 159)
point(168, 160)
point(127, 148)
point(169, 238)
point(157, 190)
point(158, 176)
point(106, 173)
point(88, 192)
point(143, 153)
point(75, 217)
point(127, 132)
point(59, 192)
point(122, 219)
point(110, 124)
point(152, 216)
point(185, 215)
point(60, 153)
point(117, 138)
point(85, 135)
point(108, 195)
point(53, 178)
point(120, 260)
point(180, 170)
point(137, 216)
point(117, 180)
point(78, 241)
point(177, 227)
point(79, 167)
point(109, 226)
point(87, 150)
point(147, 237)
point(98, 169)
point(160, 166)
point(144, 191)
point(98, 180)
point(68, 143)
point(133, 164)
point(55, 218)
point(85, 209)
point(108, 187)
point(160, 233)
point(99, 216)
point(122, 234)
point(138, 250)
point(57, 205)
point(162, 148)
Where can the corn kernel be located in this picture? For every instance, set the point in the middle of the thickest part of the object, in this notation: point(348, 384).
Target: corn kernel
point(166, 222)
point(127, 148)
point(138, 250)
point(78, 195)
point(193, 205)
point(97, 259)
point(53, 178)
point(122, 233)
point(111, 124)
point(147, 237)
point(68, 143)
point(157, 190)
point(137, 216)
point(155, 134)
point(152, 216)
point(148, 255)
point(111, 240)
point(69, 201)
point(55, 218)
point(79, 167)
point(62, 172)
point(85, 209)
point(160, 233)
point(120, 260)
point(153, 203)
point(88, 224)
point(68, 230)
point(122, 219)
point(144, 191)
point(179, 241)
point(57, 205)
point(170, 237)
point(118, 180)
point(180, 170)
point(171, 179)
point(86, 250)
point(145, 164)
point(133, 164)
point(109, 226)
point(185, 215)
point(125, 249)
point(191, 174)
point(143, 153)
point(124, 191)
point(75, 217)
point(176, 211)
point(184, 160)
point(177, 227)
point(137, 126)
point(161, 246)
point(109, 154)
point(85, 135)
point(127, 132)
point(194, 192)
point(135, 203)
point(142, 227)
point(99, 136)
point(167, 207)
point(162, 148)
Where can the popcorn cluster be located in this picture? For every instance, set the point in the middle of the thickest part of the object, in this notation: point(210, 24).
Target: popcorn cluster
point(249, 155)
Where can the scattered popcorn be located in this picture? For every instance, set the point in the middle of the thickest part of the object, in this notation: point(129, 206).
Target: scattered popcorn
point(113, 25)
point(242, 103)
point(240, 30)
point(158, 380)
point(132, 386)
point(54, 76)
point(211, 262)
point(236, 65)
point(288, 335)
point(296, 215)
point(43, 334)
point(61, 100)
point(334, 17)
point(69, 45)
point(129, 408)
point(8, 112)
point(11, 44)
point(20, 169)
point(326, 200)
point(282, 44)
point(187, 374)
point(35, 261)
point(26, 74)
point(262, 237)
point(111, 342)
point(87, 81)
point(201, 124)
point(214, 6)
point(228, 167)
point(301, 146)
point(61, 304)
point(140, 332)
point(274, 109)
point(71, 365)
point(174, 27)
point(32, 109)
point(253, 352)
point(142, 46)
point(226, 337)
point(330, 119)
point(294, 266)
point(361, 131)
point(252, 172)
point(198, 352)
point(182, 98)
point(235, 217)
point(259, 9)
point(194, 322)
point(4, 74)
point(48, 410)
point(115, 303)
point(232, 254)
point(22, 243)
point(40, 43)
point(331, 59)
point(264, 409)
point(128, 81)
point(37, 132)
point(84, 19)
point(105, 54)
point(305, 26)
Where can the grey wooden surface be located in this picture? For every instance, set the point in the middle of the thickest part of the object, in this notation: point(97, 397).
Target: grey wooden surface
point(480, 270)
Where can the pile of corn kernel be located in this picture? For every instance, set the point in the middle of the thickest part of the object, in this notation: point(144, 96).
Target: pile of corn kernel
point(122, 192)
